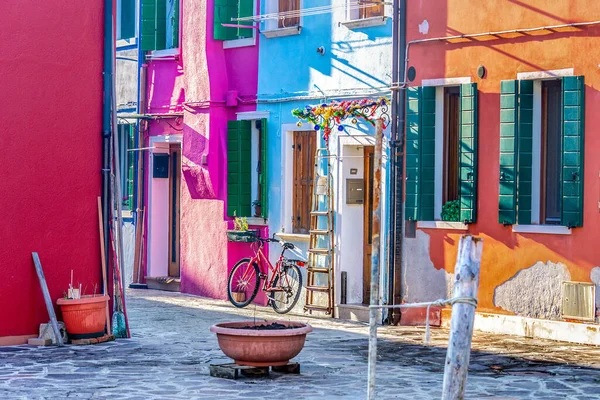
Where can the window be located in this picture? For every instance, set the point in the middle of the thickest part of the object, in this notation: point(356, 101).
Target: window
point(160, 24)
point(246, 168)
point(441, 151)
point(224, 11)
point(373, 9)
point(541, 152)
point(127, 162)
point(126, 19)
point(285, 6)
point(304, 159)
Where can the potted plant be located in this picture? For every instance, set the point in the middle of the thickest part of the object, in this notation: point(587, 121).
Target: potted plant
point(84, 316)
point(261, 344)
point(257, 208)
point(241, 233)
point(451, 211)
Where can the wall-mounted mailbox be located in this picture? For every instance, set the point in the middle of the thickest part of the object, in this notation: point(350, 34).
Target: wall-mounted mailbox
point(355, 191)
point(161, 165)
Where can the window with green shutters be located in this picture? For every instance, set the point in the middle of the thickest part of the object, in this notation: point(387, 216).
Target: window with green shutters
point(242, 190)
point(160, 24)
point(126, 20)
point(451, 175)
point(127, 160)
point(541, 152)
point(225, 11)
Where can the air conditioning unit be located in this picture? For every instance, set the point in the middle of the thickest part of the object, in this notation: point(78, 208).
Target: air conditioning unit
point(578, 301)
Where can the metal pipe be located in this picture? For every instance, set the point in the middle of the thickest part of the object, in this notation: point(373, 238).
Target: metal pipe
point(106, 120)
point(376, 247)
point(398, 184)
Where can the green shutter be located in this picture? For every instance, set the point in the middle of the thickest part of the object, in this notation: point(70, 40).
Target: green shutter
point(153, 30)
point(525, 152)
point(420, 154)
point(130, 166)
point(507, 200)
point(263, 179)
point(225, 10)
point(175, 24)
point(413, 153)
point(467, 148)
point(127, 19)
point(573, 102)
point(427, 137)
point(239, 168)
point(245, 9)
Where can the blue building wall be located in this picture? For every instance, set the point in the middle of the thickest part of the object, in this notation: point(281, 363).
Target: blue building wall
point(292, 74)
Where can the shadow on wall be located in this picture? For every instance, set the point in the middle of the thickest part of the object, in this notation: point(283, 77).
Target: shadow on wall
point(166, 92)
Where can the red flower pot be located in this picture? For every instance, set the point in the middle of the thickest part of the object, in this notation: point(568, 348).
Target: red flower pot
point(260, 348)
point(84, 318)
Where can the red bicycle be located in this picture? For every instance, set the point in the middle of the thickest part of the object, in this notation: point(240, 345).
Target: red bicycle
point(283, 288)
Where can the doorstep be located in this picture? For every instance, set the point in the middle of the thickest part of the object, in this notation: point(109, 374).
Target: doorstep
point(354, 312)
point(167, 283)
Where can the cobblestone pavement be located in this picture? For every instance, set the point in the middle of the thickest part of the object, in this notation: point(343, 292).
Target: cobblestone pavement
point(171, 349)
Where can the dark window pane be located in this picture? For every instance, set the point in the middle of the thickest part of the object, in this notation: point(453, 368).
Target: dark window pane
point(551, 149)
point(451, 152)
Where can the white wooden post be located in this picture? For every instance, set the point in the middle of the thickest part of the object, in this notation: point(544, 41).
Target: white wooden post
point(466, 283)
point(375, 240)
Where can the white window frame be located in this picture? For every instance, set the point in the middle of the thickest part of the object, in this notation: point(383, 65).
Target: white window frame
point(122, 42)
point(244, 42)
point(272, 28)
point(536, 168)
point(353, 19)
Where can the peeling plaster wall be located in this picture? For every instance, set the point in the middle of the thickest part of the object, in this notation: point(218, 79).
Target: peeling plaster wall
point(421, 281)
point(534, 292)
point(520, 272)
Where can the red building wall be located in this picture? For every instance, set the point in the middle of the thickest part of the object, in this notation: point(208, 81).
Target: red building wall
point(507, 253)
point(51, 97)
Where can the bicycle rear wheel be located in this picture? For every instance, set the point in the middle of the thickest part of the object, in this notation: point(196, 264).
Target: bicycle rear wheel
point(290, 281)
point(243, 283)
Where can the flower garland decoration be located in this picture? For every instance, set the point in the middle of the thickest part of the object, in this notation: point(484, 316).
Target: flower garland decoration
point(326, 116)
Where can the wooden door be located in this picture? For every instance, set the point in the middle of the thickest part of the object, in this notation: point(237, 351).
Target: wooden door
point(304, 159)
point(174, 209)
point(369, 163)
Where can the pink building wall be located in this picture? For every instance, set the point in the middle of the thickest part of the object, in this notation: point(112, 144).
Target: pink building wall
point(197, 83)
point(51, 96)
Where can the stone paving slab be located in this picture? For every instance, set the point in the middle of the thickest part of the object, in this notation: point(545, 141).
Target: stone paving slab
point(172, 348)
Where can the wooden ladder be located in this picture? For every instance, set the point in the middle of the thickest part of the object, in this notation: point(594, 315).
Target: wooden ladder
point(320, 278)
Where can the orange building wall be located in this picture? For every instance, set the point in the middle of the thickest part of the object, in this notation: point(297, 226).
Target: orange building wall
point(506, 253)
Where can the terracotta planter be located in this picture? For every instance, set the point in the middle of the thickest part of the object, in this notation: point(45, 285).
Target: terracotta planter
point(261, 348)
point(84, 318)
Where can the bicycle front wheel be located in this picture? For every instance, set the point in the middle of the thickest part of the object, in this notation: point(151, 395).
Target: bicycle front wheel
point(288, 283)
point(243, 283)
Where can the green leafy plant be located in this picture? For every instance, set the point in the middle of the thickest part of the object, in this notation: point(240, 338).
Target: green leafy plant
point(451, 211)
point(240, 224)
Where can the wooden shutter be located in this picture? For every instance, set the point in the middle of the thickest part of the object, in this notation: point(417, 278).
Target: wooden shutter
point(153, 30)
point(420, 154)
point(507, 199)
point(304, 157)
point(130, 166)
point(524, 151)
point(286, 6)
point(368, 12)
point(573, 99)
point(224, 11)
point(468, 153)
point(413, 153)
point(245, 9)
point(175, 24)
point(263, 180)
point(238, 168)
point(127, 20)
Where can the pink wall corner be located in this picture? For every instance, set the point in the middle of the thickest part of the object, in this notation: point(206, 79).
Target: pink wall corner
point(166, 91)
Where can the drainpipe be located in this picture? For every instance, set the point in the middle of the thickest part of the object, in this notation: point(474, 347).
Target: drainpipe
point(397, 162)
point(107, 121)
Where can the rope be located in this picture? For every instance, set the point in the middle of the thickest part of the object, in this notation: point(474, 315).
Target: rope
point(472, 301)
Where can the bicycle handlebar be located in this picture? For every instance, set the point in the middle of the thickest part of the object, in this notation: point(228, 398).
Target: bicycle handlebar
point(284, 244)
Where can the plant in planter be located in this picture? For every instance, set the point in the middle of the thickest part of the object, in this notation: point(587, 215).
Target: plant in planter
point(257, 208)
point(451, 211)
point(241, 233)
